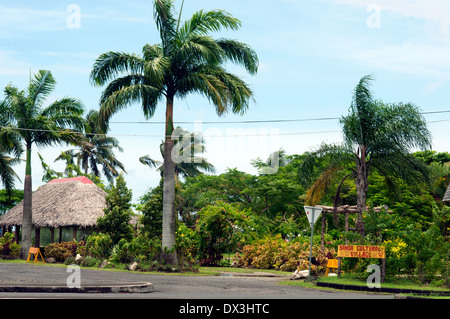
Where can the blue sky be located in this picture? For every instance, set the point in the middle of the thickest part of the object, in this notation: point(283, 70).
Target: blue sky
point(312, 53)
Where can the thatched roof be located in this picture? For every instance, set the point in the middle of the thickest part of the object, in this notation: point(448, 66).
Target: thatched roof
point(447, 195)
point(62, 203)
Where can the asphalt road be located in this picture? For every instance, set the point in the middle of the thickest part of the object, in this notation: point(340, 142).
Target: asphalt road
point(165, 286)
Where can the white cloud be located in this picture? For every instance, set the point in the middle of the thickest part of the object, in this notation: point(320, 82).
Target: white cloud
point(18, 19)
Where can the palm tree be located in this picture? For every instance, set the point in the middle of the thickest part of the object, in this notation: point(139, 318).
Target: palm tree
point(33, 124)
point(97, 151)
point(377, 136)
point(188, 60)
point(187, 162)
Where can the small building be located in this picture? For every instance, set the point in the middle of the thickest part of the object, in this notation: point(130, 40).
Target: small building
point(60, 204)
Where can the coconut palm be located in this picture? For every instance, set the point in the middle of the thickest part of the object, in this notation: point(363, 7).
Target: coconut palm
point(30, 122)
point(98, 151)
point(377, 136)
point(187, 162)
point(187, 60)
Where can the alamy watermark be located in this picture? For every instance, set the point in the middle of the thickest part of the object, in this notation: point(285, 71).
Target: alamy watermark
point(74, 279)
point(374, 20)
point(73, 21)
point(374, 280)
point(228, 143)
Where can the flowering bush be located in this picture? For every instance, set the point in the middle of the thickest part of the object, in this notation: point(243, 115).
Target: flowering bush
point(275, 253)
point(186, 245)
point(61, 251)
point(9, 249)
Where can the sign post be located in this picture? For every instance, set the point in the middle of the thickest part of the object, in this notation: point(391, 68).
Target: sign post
point(313, 214)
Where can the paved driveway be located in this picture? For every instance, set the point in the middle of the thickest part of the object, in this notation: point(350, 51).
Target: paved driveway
point(165, 286)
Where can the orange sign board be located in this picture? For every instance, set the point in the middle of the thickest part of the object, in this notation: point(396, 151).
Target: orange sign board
point(333, 263)
point(359, 251)
point(36, 252)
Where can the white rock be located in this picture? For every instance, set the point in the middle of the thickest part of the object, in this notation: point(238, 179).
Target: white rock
point(78, 257)
point(299, 274)
point(332, 274)
point(133, 266)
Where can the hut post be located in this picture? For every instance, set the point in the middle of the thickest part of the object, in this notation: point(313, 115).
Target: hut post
point(322, 233)
point(17, 235)
point(37, 237)
point(52, 235)
point(60, 234)
point(75, 233)
point(346, 226)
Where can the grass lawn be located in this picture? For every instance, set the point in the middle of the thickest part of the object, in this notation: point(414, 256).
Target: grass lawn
point(351, 279)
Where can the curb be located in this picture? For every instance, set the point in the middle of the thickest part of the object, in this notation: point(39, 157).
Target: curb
point(382, 290)
point(118, 288)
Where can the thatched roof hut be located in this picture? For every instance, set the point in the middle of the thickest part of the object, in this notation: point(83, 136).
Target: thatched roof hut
point(67, 202)
point(447, 195)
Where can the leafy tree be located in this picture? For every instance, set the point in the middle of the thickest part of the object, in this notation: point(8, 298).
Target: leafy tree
point(377, 136)
point(187, 60)
point(220, 228)
point(28, 121)
point(9, 199)
point(98, 151)
point(151, 207)
point(116, 221)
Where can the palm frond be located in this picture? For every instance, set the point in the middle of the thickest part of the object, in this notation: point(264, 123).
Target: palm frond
point(240, 53)
point(119, 99)
point(147, 160)
point(201, 23)
point(112, 64)
point(163, 13)
point(40, 87)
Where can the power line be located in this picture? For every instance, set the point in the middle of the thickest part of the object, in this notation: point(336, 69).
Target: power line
point(208, 136)
point(254, 121)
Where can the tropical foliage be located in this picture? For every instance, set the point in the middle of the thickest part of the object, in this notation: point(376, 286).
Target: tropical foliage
point(98, 150)
point(377, 136)
point(187, 60)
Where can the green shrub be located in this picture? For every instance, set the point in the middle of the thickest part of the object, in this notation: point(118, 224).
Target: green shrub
point(220, 228)
point(138, 249)
point(98, 245)
point(9, 249)
point(89, 261)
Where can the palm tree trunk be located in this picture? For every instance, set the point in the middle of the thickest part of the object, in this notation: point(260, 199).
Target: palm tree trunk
point(27, 208)
point(168, 227)
point(362, 186)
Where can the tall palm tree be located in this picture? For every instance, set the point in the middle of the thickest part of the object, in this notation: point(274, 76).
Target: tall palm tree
point(188, 60)
point(33, 124)
point(187, 162)
point(377, 136)
point(98, 151)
